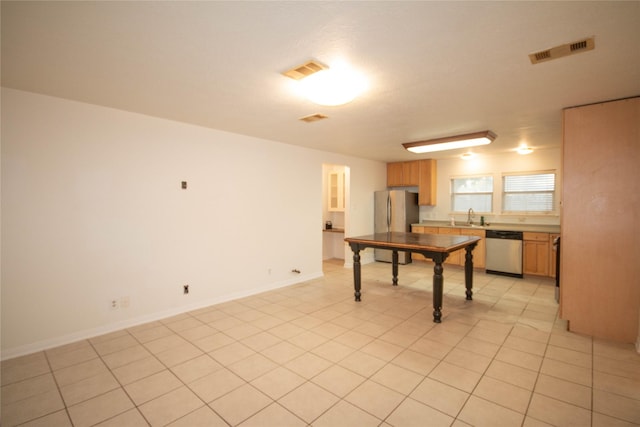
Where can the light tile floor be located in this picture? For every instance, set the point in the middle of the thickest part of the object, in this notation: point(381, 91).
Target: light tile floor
point(309, 355)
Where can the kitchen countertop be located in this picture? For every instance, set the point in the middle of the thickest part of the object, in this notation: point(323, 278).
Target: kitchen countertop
point(535, 228)
point(334, 230)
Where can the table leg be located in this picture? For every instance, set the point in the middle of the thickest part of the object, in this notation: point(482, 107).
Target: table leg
point(356, 270)
point(394, 267)
point(468, 271)
point(438, 280)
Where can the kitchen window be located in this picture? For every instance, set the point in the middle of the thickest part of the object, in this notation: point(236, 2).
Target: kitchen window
point(472, 192)
point(529, 192)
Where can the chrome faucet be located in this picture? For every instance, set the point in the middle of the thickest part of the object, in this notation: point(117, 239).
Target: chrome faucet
point(470, 216)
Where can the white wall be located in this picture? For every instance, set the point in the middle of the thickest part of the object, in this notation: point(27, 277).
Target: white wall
point(495, 165)
point(92, 210)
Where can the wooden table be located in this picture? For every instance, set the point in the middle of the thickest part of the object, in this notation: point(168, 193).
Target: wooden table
point(436, 247)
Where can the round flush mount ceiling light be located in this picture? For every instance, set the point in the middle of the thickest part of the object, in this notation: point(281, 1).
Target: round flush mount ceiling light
point(333, 86)
point(468, 155)
point(523, 149)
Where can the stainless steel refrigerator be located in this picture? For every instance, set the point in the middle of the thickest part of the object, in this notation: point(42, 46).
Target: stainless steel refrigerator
point(395, 210)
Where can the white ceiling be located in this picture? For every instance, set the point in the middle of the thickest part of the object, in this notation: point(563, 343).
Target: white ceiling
point(435, 68)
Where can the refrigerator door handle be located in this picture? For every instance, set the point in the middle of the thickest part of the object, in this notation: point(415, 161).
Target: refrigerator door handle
point(388, 213)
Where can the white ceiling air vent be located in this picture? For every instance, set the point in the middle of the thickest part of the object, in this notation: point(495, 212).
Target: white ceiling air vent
point(304, 70)
point(563, 50)
point(313, 117)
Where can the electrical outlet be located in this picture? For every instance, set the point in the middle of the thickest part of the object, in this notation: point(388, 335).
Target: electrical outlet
point(185, 289)
point(113, 304)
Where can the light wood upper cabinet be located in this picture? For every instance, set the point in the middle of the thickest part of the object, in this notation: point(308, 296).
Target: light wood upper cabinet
point(336, 192)
point(403, 174)
point(428, 181)
point(394, 175)
point(419, 173)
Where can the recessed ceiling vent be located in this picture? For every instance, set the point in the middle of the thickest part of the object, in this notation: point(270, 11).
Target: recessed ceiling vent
point(304, 70)
point(563, 50)
point(313, 117)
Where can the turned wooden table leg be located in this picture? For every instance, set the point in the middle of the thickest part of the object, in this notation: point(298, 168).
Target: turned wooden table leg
point(438, 282)
point(356, 270)
point(394, 267)
point(468, 271)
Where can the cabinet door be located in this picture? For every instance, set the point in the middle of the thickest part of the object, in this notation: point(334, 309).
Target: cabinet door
point(427, 183)
point(537, 237)
point(410, 174)
point(424, 230)
point(536, 257)
point(394, 174)
point(403, 174)
point(553, 254)
point(417, 229)
point(336, 192)
point(454, 257)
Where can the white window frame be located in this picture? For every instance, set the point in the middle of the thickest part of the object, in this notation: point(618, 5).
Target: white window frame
point(553, 193)
point(471, 194)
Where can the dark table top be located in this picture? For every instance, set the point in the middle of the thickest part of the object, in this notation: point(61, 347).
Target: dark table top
point(415, 241)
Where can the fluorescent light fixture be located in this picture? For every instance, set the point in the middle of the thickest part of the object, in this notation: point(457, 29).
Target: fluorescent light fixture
point(451, 142)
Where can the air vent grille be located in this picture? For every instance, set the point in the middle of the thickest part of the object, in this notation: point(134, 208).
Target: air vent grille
point(541, 56)
point(313, 117)
point(563, 50)
point(304, 70)
point(578, 45)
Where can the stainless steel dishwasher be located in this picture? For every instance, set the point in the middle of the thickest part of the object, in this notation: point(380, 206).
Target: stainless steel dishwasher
point(504, 253)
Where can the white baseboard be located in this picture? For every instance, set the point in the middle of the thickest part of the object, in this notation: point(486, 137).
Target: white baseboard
point(135, 321)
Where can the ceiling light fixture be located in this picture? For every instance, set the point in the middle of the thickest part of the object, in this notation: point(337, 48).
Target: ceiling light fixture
point(328, 86)
point(468, 155)
point(523, 149)
point(451, 142)
point(331, 87)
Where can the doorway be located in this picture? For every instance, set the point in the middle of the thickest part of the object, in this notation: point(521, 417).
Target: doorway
point(335, 211)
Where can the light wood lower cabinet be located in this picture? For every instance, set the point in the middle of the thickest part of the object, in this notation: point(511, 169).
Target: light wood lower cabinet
point(457, 258)
point(454, 258)
point(536, 254)
point(553, 254)
point(424, 230)
point(536, 258)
